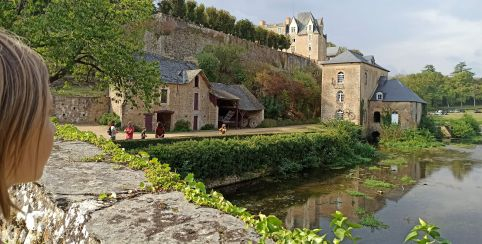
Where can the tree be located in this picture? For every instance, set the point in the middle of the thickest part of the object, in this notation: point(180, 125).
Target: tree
point(429, 85)
point(212, 18)
point(224, 63)
point(200, 15)
point(209, 63)
point(165, 7)
point(225, 22)
point(261, 35)
point(272, 40)
point(461, 67)
point(191, 10)
point(429, 68)
point(245, 29)
point(178, 8)
point(100, 36)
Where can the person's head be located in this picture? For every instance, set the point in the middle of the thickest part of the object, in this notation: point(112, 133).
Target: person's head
point(112, 123)
point(25, 100)
point(224, 125)
point(159, 124)
point(129, 123)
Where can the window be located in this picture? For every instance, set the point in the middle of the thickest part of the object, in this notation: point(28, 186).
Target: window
point(294, 40)
point(340, 77)
point(366, 78)
point(379, 96)
point(309, 48)
point(164, 96)
point(196, 101)
point(340, 97)
point(279, 30)
point(395, 118)
point(339, 114)
point(377, 117)
point(310, 27)
point(293, 29)
point(196, 81)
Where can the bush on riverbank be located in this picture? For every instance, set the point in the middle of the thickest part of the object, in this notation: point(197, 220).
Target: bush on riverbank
point(394, 137)
point(337, 146)
point(465, 127)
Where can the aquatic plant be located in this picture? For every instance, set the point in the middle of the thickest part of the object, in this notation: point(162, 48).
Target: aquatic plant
point(371, 183)
point(369, 220)
point(407, 180)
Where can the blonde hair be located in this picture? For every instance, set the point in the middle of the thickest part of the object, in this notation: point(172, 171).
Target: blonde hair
point(23, 101)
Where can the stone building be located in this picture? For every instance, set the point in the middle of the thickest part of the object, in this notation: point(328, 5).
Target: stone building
point(356, 88)
point(188, 95)
point(305, 33)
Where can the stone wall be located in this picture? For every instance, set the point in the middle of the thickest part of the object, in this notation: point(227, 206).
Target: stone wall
point(409, 114)
point(63, 207)
point(171, 37)
point(79, 110)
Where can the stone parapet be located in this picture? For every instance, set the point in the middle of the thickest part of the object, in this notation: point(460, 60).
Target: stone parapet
point(63, 207)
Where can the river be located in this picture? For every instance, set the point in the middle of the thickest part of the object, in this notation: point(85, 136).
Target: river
point(446, 191)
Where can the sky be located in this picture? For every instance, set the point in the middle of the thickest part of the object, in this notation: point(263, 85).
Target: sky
point(403, 35)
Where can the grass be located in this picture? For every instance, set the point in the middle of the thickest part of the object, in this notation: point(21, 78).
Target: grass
point(394, 161)
point(354, 193)
point(369, 219)
point(450, 116)
point(373, 168)
point(77, 91)
point(371, 183)
point(407, 180)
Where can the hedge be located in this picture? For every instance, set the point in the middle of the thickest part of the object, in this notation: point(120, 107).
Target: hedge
point(283, 154)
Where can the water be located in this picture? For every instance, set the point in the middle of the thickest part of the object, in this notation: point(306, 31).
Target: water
point(447, 192)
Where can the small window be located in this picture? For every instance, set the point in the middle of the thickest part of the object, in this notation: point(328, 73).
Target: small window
point(340, 77)
point(339, 114)
point(196, 81)
point(340, 97)
point(366, 78)
point(395, 118)
point(377, 117)
point(309, 48)
point(310, 27)
point(164, 96)
point(294, 40)
point(379, 96)
point(196, 101)
point(293, 29)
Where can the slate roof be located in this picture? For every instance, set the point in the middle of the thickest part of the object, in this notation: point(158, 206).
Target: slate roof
point(302, 21)
point(395, 91)
point(247, 101)
point(332, 51)
point(352, 57)
point(174, 71)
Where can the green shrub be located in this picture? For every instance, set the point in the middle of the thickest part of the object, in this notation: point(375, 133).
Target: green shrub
point(282, 154)
point(393, 137)
point(268, 123)
point(428, 122)
point(106, 118)
point(182, 125)
point(208, 127)
point(469, 119)
point(461, 129)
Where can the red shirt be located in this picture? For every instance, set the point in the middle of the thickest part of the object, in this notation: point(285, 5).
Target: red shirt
point(129, 132)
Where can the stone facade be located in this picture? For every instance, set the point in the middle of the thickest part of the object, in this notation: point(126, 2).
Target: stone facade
point(79, 110)
point(174, 38)
point(179, 105)
point(409, 114)
point(305, 33)
point(63, 207)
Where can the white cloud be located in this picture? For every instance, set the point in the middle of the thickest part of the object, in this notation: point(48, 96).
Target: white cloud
point(439, 39)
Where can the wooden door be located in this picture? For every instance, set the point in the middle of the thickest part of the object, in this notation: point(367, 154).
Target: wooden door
point(194, 123)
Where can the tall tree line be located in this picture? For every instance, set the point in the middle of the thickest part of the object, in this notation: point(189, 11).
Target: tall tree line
point(222, 20)
point(457, 89)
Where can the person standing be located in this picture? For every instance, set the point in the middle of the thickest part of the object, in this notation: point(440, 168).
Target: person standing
point(112, 130)
point(129, 130)
point(143, 134)
point(160, 130)
point(223, 129)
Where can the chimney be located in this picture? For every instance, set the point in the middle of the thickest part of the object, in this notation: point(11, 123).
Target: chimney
point(262, 23)
point(287, 21)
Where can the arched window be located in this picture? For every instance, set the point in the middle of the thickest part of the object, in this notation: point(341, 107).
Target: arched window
point(377, 117)
point(395, 118)
point(340, 97)
point(379, 96)
point(339, 114)
point(340, 77)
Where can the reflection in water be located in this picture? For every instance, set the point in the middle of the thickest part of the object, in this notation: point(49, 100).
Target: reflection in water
point(444, 178)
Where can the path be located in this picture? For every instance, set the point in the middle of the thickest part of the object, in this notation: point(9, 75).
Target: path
point(101, 130)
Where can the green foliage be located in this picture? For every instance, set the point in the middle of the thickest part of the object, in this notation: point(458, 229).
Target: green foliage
point(208, 127)
point(222, 63)
point(182, 125)
point(393, 137)
point(466, 127)
point(354, 193)
point(269, 123)
point(283, 154)
point(429, 123)
point(73, 40)
point(427, 233)
point(371, 183)
point(407, 180)
point(107, 118)
point(394, 161)
point(368, 219)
